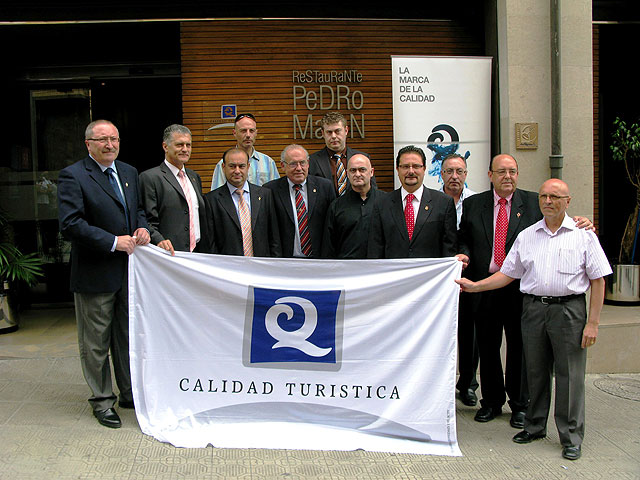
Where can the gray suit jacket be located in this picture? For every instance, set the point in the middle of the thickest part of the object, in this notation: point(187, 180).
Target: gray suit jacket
point(167, 209)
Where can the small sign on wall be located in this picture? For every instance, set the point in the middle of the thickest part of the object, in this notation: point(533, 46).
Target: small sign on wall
point(526, 136)
point(228, 112)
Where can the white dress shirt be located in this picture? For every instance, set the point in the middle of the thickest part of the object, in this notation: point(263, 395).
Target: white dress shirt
point(556, 263)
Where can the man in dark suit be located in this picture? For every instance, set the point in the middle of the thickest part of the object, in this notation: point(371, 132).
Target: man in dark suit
point(499, 309)
point(101, 213)
point(172, 197)
point(301, 202)
point(243, 218)
point(413, 221)
point(331, 161)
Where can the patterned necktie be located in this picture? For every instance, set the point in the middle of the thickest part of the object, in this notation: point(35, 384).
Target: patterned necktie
point(502, 224)
point(408, 214)
point(245, 224)
point(341, 174)
point(303, 222)
point(187, 194)
point(110, 173)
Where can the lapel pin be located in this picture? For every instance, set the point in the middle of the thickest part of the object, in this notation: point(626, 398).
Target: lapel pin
point(426, 207)
point(314, 190)
point(126, 184)
point(518, 215)
point(259, 198)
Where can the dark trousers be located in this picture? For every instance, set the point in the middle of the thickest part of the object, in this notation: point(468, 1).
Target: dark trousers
point(467, 346)
point(499, 310)
point(103, 326)
point(552, 342)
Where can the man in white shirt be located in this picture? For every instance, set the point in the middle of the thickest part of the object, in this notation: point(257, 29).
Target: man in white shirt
point(556, 263)
point(172, 197)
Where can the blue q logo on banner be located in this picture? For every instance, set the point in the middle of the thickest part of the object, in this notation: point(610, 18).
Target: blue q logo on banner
point(294, 329)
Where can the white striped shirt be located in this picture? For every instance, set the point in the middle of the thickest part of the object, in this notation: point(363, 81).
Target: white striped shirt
point(556, 264)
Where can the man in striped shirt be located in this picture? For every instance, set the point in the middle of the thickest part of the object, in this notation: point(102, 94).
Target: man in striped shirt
point(262, 168)
point(556, 263)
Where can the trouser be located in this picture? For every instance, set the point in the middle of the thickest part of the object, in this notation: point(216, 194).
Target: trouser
point(467, 345)
point(552, 336)
point(497, 310)
point(103, 326)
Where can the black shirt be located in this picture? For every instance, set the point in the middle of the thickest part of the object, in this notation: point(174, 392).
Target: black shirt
point(347, 225)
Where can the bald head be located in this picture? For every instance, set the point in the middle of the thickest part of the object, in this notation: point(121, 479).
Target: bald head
point(360, 171)
point(554, 200)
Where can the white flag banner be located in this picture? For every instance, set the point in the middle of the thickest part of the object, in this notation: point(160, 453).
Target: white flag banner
point(300, 354)
point(443, 105)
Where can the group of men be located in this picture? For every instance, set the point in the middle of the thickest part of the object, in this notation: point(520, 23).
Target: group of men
point(326, 205)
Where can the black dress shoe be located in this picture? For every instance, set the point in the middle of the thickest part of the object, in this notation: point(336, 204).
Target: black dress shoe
point(486, 414)
point(468, 397)
point(108, 418)
point(526, 437)
point(517, 420)
point(126, 404)
point(572, 452)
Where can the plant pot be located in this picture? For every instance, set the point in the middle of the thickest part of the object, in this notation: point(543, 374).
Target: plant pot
point(623, 286)
point(9, 318)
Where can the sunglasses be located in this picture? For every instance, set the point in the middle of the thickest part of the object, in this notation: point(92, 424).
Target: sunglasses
point(240, 116)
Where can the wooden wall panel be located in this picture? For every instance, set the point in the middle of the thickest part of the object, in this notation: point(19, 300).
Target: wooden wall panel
point(250, 63)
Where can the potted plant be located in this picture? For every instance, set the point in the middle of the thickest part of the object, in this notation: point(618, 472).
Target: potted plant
point(15, 267)
point(624, 285)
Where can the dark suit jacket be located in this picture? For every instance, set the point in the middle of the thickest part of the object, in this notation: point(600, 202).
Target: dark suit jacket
point(476, 227)
point(91, 216)
point(434, 233)
point(320, 166)
point(227, 233)
point(167, 209)
point(320, 194)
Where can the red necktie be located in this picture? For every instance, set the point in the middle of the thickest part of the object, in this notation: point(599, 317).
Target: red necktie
point(408, 214)
point(502, 224)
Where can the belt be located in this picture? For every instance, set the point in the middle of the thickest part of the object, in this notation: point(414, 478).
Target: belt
point(551, 300)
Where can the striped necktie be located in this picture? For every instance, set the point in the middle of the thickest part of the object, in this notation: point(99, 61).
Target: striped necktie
point(245, 224)
point(341, 174)
point(303, 222)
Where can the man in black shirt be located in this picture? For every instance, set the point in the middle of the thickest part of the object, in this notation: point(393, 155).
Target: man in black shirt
point(349, 216)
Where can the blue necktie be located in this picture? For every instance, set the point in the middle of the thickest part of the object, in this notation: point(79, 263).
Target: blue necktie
point(114, 184)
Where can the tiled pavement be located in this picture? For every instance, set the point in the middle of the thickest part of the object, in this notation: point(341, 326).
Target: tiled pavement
point(47, 431)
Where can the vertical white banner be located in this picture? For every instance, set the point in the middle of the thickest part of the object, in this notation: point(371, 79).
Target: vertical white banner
point(443, 105)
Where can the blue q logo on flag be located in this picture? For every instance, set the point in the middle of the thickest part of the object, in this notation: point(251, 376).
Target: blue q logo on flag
point(294, 329)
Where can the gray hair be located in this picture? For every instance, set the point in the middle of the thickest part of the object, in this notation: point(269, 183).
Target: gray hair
point(454, 155)
point(288, 148)
point(175, 128)
point(88, 132)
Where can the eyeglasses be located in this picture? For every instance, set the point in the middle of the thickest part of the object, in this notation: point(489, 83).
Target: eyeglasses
point(415, 166)
point(105, 140)
point(301, 163)
point(553, 198)
point(240, 116)
point(503, 171)
point(459, 171)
